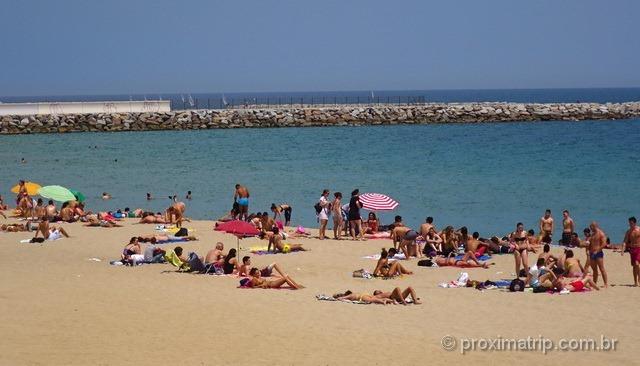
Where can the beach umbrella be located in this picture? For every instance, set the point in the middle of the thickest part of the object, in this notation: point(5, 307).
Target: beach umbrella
point(239, 228)
point(377, 202)
point(78, 195)
point(32, 188)
point(57, 193)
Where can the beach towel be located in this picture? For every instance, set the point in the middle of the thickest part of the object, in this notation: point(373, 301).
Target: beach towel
point(377, 256)
point(379, 235)
point(173, 258)
point(330, 298)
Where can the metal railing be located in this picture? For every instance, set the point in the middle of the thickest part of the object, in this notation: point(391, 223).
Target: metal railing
point(290, 102)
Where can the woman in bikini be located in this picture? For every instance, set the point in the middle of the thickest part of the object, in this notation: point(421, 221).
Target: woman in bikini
point(371, 224)
point(572, 266)
point(521, 246)
point(468, 261)
point(399, 296)
point(257, 281)
point(434, 242)
point(131, 249)
point(384, 269)
point(282, 210)
point(363, 297)
point(450, 240)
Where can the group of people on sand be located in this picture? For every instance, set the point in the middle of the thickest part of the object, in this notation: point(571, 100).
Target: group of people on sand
point(174, 214)
point(346, 216)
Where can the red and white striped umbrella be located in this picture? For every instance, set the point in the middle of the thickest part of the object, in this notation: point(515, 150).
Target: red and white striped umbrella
point(377, 202)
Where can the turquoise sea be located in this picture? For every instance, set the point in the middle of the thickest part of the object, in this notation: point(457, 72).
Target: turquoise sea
point(485, 176)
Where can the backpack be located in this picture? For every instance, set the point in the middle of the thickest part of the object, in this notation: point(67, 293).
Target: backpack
point(182, 232)
point(318, 208)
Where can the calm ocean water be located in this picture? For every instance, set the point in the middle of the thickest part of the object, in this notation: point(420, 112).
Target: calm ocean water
point(484, 176)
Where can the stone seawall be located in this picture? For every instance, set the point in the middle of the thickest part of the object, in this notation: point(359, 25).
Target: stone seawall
point(317, 116)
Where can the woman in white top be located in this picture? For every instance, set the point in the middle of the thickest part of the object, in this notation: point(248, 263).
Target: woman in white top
point(323, 215)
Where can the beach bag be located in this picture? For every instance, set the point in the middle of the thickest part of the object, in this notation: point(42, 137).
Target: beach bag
point(425, 263)
point(318, 208)
point(516, 285)
point(36, 240)
point(182, 232)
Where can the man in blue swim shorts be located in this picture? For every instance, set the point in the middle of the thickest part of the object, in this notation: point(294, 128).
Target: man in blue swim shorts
point(597, 242)
point(242, 198)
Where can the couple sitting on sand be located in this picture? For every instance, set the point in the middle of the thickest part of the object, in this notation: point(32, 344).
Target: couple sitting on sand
point(396, 296)
point(548, 274)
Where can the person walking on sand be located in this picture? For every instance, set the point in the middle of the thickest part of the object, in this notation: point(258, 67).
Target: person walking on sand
point(338, 222)
point(597, 242)
point(324, 213)
point(241, 196)
point(632, 242)
point(568, 228)
point(546, 225)
point(354, 215)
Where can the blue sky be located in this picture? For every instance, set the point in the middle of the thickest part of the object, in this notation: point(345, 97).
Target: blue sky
point(128, 47)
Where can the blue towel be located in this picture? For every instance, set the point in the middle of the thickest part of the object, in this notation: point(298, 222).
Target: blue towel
point(483, 257)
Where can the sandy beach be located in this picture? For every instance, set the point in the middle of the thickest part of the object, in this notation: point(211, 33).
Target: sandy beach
point(60, 307)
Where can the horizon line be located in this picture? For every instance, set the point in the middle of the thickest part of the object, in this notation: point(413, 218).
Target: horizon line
point(321, 91)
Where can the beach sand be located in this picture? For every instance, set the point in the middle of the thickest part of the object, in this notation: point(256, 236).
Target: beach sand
point(58, 307)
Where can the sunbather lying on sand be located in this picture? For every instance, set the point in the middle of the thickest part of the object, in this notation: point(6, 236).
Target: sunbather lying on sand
point(398, 296)
point(257, 281)
point(13, 228)
point(267, 271)
point(164, 238)
point(363, 297)
point(384, 269)
point(567, 284)
point(153, 219)
point(101, 221)
point(468, 261)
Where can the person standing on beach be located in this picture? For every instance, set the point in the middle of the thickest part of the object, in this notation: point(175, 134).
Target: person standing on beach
point(597, 242)
point(323, 215)
point(242, 198)
point(354, 215)
point(568, 228)
point(632, 242)
point(546, 225)
point(338, 222)
point(428, 225)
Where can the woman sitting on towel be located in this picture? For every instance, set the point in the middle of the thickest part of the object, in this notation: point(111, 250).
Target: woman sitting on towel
point(468, 261)
point(257, 281)
point(450, 241)
point(434, 242)
point(398, 296)
point(372, 224)
point(276, 240)
point(363, 297)
point(384, 269)
point(131, 249)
